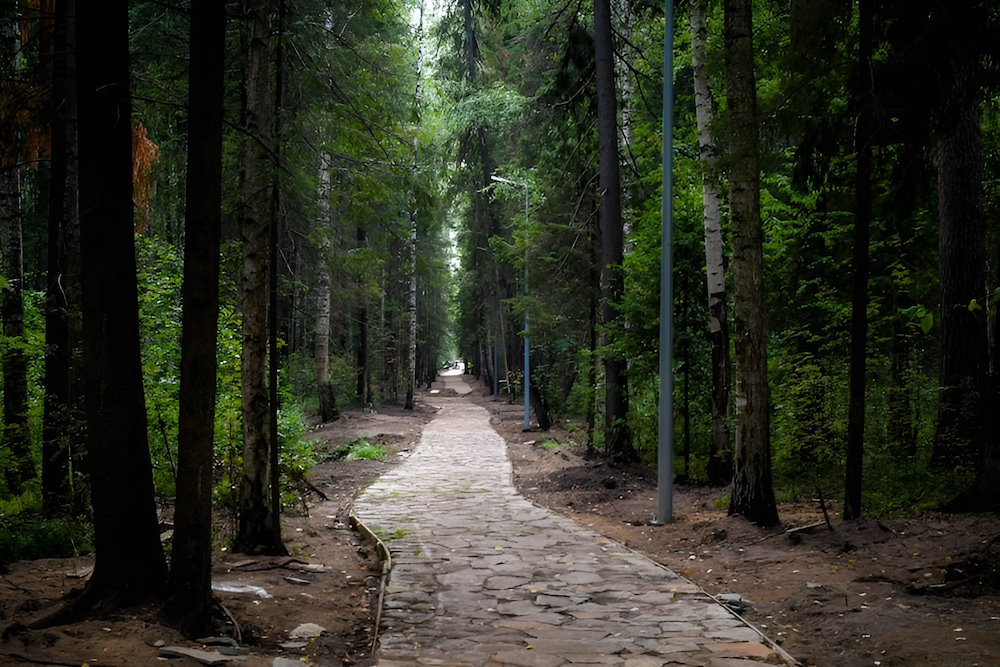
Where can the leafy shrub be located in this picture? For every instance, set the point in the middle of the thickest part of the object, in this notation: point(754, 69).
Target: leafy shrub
point(27, 539)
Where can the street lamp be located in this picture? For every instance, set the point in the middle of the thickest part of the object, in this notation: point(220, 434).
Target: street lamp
point(527, 344)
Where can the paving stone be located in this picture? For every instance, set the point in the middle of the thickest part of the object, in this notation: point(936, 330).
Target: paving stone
point(480, 574)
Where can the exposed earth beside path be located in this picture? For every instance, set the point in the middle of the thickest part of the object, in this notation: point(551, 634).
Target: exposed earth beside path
point(920, 591)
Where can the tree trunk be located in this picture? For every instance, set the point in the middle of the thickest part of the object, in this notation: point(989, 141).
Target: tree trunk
point(325, 391)
point(259, 528)
point(961, 428)
point(864, 97)
point(617, 440)
point(15, 436)
point(191, 558)
point(411, 357)
point(129, 563)
point(57, 422)
point(364, 378)
point(752, 493)
point(720, 470)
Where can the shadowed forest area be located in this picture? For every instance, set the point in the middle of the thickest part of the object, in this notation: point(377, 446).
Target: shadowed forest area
point(224, 223)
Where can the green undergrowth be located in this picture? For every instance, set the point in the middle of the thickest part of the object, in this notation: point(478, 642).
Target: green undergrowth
point(362, 450)
point(29, 537)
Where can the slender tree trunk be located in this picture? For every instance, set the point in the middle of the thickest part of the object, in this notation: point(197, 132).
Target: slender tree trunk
point(191, 558)
point(277, 218)
point(259, 528)
point(720, 469)
point(593, 297)
point(859, 301)
point(412, 248)
point(752, 493)
point(617, 440)
point(129, 563)
point(902, 436)
point(57, 422)
point(364, 389)
point(325, 390)
point(15, 436)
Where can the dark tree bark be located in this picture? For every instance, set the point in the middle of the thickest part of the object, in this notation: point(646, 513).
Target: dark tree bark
point(961, 429)
point(752, 493)
point(15, 436)
point(864, 97)
point(191, 572)
point(58, 428)
point(617, 440)
point(259, 529)
point(129, 563)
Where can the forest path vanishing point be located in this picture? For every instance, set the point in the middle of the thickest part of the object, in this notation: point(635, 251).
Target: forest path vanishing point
point(481, 576)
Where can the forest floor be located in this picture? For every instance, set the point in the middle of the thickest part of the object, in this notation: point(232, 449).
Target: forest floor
point(916, 591)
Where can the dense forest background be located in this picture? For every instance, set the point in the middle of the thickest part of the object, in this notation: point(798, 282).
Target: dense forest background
point(373, 189)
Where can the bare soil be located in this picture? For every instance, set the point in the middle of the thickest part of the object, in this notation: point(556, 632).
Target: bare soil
point(916, 591)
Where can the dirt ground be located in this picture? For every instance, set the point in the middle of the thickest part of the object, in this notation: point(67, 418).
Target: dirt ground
point(919, 591)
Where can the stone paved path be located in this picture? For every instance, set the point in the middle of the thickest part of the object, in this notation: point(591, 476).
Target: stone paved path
point(483, 577)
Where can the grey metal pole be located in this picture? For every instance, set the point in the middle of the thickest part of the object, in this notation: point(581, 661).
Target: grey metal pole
point(665, 437)
point(527, 344)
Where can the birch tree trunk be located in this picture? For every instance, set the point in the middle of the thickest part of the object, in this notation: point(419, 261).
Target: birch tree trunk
point(720, 460)
point(752, 493)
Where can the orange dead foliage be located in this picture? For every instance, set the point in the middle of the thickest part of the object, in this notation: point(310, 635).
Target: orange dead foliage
point(145, 153)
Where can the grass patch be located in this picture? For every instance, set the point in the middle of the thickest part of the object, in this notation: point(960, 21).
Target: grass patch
point(361, 449)
point(389, 534)
point(552, 443)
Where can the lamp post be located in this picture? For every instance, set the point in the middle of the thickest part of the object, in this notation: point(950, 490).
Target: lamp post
point(665, 435)
point(527, 343)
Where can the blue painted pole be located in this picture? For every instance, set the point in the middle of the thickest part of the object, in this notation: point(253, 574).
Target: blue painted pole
point(665, 423)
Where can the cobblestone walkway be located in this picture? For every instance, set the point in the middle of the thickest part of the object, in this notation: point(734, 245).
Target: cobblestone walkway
point(483, 577)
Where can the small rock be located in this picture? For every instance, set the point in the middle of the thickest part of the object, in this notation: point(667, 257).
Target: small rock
point(297, 581)
point(314, 567)
point(286, 662)
point(732, 600)
point(293, 645)
point(235, 587)
point(82, 573)
point(307, 631)
point(217, 641)
point(204, 657)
